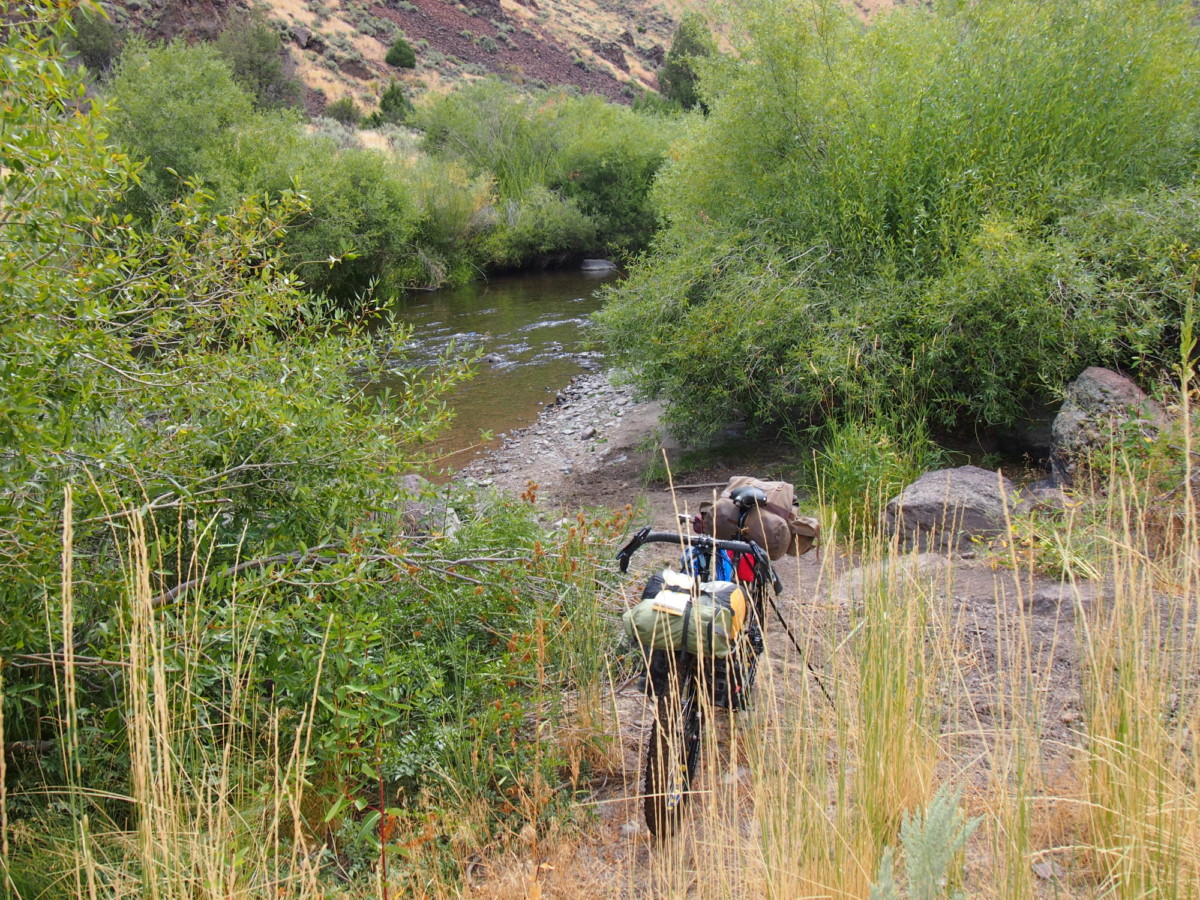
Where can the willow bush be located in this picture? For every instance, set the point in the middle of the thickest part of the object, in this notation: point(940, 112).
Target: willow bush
point(554, 156)
point(208, 572)
point(896, 211)
point(565, 176)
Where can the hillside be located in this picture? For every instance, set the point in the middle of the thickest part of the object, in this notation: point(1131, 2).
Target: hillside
point(608, 47)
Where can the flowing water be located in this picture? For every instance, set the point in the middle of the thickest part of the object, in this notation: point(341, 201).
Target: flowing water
point(532, 333)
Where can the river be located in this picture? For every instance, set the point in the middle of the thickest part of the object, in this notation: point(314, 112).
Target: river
point(532, 333)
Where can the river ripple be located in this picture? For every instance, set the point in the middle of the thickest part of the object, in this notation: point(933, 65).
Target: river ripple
point(532, 332)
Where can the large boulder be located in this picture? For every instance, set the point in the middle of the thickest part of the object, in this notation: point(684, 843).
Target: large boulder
point(947, 509)
point(1098, 406)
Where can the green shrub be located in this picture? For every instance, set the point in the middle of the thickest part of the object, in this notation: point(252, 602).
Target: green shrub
point(494, 128)
point(607, 165)
point(456, 214)
point(600, 156)
point(344, 110)
point(874, 197)
point(172, 104)
point(677, 78)
point(96, 39)
point(931, 839)
point(254, 52)
point(401, 54)
point(394, 106)
point(539, 228)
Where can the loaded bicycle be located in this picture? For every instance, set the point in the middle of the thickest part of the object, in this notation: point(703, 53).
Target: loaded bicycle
point(700, 634)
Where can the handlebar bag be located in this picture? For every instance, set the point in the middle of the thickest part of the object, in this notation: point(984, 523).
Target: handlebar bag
point(706, 621)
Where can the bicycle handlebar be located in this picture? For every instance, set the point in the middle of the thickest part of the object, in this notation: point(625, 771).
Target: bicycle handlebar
point(649, 536)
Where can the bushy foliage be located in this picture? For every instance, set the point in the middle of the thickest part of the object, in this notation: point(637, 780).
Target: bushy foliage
point(608, 167)
point(898, 211)
point(96, 38)
point(359, 213)
point(394, 106)
point(931, 839)
point(188, 454)
point(599, 157)
point(539, 225)
point(567, 176)
point(255, 55)
point(173, 105)
point(401, 54)
point(344, 110)
point(677, 78)
point(493, 127)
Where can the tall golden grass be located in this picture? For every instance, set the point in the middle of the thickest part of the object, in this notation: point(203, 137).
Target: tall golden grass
point(798, 797)
point(926, 694)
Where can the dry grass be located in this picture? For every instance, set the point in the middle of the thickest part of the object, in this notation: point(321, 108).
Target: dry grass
point(800, 796)
point(1071, 737)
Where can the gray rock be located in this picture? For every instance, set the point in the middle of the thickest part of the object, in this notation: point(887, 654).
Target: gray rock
point(301, 36)
point(598, 265)
point(1061, 600)
point(1099, 404)
point(425, 511)
point(946, 509)
point(1048, 870)
point(610, 51)
point(1050, 601)
point(588, 433)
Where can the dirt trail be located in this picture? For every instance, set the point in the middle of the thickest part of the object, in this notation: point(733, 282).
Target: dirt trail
point(592, 448)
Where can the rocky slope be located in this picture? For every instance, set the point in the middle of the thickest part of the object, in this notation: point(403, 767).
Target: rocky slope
point(608, 47)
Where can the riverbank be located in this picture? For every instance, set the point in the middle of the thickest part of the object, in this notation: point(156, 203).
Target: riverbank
point(590, 446)
point(593, 446)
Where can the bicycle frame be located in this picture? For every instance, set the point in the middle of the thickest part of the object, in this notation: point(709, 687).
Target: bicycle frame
point(673, 746)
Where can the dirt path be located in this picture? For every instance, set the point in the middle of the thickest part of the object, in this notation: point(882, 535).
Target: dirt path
point(592, 448)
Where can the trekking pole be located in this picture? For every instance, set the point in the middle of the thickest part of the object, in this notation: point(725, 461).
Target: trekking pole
point(795, 643)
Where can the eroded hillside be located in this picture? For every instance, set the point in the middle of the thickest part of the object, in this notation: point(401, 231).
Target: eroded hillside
point(608, 47)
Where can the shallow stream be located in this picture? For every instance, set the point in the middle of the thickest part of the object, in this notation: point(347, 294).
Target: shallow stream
point(531, 330)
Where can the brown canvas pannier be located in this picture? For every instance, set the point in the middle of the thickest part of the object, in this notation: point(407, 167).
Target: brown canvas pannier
point(775, 524)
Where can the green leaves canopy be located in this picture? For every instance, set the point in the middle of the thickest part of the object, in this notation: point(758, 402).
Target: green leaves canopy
point(867, 211)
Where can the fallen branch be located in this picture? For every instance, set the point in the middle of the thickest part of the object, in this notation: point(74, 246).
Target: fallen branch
point(36, 660)
point(32, 748)
point(316, 557)
point(264, 562)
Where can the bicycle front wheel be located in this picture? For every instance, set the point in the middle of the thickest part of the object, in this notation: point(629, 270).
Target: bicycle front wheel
point(673, 753)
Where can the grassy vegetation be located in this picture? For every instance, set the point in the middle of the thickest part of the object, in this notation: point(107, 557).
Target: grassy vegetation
point(938, 767)
point(230, 665)
point(947, 211)
point(233, 659)
point(373, 218)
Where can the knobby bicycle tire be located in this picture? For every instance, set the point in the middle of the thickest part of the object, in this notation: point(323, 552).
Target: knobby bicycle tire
point(672, 753)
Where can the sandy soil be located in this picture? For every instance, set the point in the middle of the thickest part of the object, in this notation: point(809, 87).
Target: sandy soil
point(593, 447)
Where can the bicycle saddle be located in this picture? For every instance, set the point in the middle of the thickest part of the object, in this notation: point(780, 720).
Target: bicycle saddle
point(746, 498)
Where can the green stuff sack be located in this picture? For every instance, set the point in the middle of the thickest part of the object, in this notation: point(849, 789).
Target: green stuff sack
point(713, 616)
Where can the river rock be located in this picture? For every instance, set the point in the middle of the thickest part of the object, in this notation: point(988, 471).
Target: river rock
point(1099, 404)
point(424, 510)
point(947, 509)
point(598, 265)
